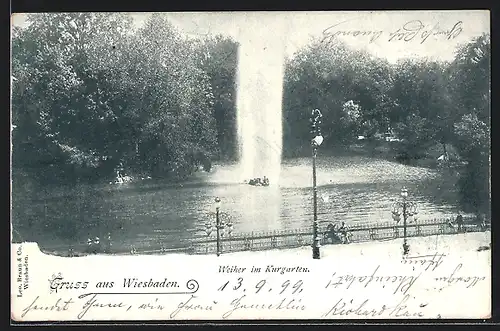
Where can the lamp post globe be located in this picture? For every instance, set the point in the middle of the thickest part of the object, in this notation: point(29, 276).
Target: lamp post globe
point(318, 140)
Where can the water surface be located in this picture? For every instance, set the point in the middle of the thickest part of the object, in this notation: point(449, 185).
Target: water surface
point(350, 188)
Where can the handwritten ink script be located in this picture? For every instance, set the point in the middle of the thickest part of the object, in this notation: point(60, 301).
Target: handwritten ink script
point(414, 30)
point(130, 286)
point(418, 286)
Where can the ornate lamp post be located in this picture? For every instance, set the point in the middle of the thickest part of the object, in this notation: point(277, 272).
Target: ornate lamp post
point(408, 209)
point(317, 139)
point(220, 225)
point(217, 223)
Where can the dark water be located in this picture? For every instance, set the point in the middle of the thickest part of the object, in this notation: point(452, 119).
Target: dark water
point(352, 189)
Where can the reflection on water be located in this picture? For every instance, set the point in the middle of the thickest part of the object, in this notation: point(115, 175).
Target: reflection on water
point(352, 189)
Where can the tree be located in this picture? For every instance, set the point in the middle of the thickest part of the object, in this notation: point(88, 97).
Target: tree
point(91, 92)
point(171, 101)
point(326, 76)
point(473, 142)
point(54, 101)
point(218, 57)
point(351, 117)
point(470, 79)
point(420, 113)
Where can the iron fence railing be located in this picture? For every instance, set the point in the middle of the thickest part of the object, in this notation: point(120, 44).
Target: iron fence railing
point(256, 241)
point(267, 240)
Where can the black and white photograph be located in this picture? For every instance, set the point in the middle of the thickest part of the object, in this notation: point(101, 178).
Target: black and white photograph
point(310, 135)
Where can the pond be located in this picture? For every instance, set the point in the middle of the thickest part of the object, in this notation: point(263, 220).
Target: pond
point(350, 189)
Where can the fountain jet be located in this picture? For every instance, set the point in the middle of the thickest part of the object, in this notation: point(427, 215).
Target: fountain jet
point(259, 104)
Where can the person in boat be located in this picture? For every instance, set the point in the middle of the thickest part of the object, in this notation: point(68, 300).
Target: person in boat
point(265, 181)
point(255, 182)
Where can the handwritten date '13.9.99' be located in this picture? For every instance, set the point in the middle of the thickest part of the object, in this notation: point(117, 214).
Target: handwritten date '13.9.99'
point(286, 287)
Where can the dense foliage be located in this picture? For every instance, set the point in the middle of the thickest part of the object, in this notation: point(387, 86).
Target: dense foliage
point(421, 102)
point(91, 93)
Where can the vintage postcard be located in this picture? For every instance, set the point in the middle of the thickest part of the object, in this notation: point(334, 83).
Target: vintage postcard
point(250, 165)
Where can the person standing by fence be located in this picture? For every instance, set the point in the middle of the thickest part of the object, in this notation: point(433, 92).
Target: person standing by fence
point(460, 223)
point(343, 230)
point(331, 233)
point(481, 221)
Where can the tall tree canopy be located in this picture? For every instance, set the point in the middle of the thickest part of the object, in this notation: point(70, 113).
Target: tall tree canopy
point(91, 92)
